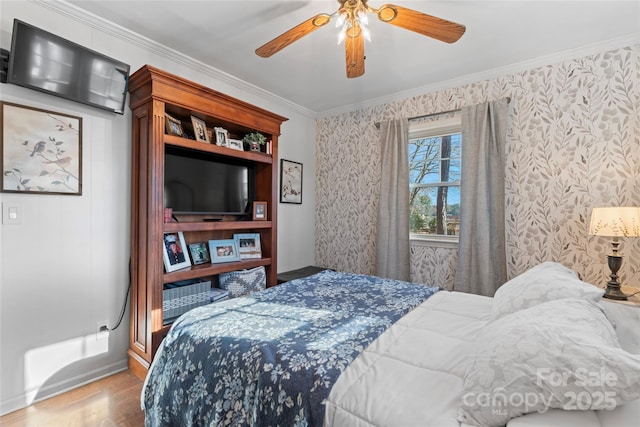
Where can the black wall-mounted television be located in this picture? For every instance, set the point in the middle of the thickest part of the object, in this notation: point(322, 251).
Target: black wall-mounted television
point(203, 184)
point(45, 62)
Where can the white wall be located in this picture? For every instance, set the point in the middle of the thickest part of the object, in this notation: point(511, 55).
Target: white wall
point(65, 267)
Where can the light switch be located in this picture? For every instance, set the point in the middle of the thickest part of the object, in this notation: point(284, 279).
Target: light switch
point(11, 214)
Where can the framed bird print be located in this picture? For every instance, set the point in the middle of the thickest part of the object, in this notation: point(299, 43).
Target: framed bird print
point(41, 151)
point(290, 182)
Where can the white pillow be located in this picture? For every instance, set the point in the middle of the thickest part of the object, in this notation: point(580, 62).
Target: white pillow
point(560, 354)
point(548, 281)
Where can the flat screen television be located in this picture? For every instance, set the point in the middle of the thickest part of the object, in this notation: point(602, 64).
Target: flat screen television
point(48, 63)
point(200, 184)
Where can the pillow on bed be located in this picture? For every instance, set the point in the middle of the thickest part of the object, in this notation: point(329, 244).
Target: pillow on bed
point(548, 281)
point(243, 282)
point(561, 354)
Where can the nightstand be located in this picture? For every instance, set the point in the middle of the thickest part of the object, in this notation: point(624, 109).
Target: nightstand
point(632, 300)
point(299, 273)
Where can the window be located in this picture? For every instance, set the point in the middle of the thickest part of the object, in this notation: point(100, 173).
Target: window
point(434, 178)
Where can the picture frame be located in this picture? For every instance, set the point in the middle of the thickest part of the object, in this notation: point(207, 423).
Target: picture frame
point(259, 211)
point(172, 125)
point(290, 182)
point(199, 253)
point(200, 129)
point(248, 245)
point(41, 151)
point(225, 250)
point(236, 144)
point(173, 254)
point(221, 136)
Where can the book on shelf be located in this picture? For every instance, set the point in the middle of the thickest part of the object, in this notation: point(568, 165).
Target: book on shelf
point(217, 294)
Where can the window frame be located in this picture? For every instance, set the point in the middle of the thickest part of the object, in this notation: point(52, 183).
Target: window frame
point(432, 129)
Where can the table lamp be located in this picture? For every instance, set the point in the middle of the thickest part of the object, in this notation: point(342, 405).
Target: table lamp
point(615, 222)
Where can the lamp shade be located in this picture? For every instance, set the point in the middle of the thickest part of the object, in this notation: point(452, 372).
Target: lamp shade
point(615, 222)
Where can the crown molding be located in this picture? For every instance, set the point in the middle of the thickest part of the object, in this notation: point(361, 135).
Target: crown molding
point(108, 27)
point(565, 55)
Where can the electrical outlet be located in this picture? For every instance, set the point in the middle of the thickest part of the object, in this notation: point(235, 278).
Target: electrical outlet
point(102, 331)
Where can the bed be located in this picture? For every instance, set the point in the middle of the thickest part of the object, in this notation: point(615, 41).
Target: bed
point(338, 349)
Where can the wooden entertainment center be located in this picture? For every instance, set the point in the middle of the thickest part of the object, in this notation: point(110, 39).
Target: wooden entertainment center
point(154, 93)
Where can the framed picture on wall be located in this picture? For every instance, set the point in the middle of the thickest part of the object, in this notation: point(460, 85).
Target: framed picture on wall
point(290, 182)
point(173, 254)
point(41, 151)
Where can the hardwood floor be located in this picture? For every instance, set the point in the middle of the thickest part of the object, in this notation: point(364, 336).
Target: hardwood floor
point(111, 401)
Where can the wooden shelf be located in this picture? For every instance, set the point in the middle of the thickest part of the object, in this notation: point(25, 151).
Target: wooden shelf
point(215, 225)
point(191, 144)
point(196, 271)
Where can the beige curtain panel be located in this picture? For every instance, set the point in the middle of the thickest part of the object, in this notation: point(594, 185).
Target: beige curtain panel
point(482, 265)
point(392, 231)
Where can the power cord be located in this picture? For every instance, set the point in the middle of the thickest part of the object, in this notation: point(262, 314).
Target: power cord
point(124, 306)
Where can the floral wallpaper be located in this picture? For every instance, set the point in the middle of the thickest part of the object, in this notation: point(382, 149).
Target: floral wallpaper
point(573, 144)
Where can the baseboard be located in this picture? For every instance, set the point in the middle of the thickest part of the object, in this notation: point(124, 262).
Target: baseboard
point(60, 387)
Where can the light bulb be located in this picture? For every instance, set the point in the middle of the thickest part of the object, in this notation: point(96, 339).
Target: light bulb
point(342, 34)
point(366, 33)
point(362, 17)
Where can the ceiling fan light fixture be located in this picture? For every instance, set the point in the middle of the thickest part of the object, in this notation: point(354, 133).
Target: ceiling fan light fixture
point(352, 19)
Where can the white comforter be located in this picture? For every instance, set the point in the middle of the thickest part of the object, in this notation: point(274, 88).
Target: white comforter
point(412, 375)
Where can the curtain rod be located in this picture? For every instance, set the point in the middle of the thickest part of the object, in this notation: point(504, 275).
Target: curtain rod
point(377, 124)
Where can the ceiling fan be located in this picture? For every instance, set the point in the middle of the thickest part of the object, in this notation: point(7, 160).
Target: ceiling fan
point(352, 16)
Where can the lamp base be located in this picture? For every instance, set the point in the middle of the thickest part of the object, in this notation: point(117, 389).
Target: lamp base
point(613, 286)
point(614, 292)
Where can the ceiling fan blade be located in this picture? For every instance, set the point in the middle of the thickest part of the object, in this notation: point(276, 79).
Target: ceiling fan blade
point(354, 50)
point(431, 26)
point(296, 33)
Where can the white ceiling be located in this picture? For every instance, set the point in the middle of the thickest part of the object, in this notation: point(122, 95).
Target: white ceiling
point(311, 72)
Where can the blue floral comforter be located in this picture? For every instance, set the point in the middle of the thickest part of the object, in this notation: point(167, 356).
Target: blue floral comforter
point(270, 359)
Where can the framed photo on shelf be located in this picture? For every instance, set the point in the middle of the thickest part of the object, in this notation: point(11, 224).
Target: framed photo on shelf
point(41, 151)
point(224, 250)
point(199, 253)
point(173, 254)
point(236, 144)
point(221, 136)
point(173, 126)
point(248, 245)
point(290, 182)
point(259, 211)
point(200, 129)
